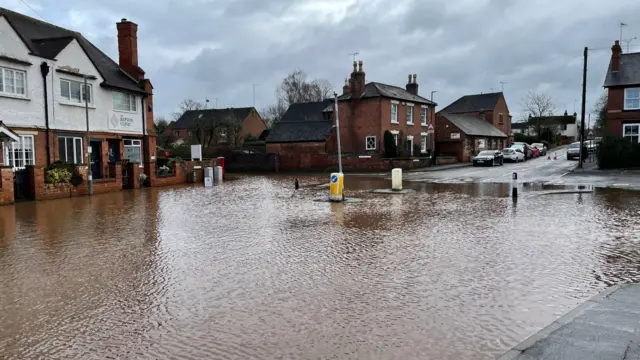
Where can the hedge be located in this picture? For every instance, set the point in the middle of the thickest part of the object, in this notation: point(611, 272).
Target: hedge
point(618, 153)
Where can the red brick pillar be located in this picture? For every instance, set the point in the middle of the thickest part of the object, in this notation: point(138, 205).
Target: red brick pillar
point(118, 174)
point(150, 171)
point(6, 186)
point(134, 175)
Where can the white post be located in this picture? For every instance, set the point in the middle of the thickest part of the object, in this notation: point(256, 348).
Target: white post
point(396, 179)
point(514, 186)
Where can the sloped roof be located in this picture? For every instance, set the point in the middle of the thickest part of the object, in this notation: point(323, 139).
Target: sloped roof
point(301, 131)
point(308, 111)
point(553, 120)
point(519, 125)
point(473, 103)
point(47, 41)
point(212, 117)
point(7, 134)
point(375, 89)
point(474, 125)
point(629, 73)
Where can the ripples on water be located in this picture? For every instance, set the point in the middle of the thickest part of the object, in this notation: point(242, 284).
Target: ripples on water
point(253, 270)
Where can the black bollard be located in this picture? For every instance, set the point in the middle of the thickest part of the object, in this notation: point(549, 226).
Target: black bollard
point(297, 184)
point(514, 186)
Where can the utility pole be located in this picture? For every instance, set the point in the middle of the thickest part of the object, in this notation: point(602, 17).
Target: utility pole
point(502, 83)
point(628, 41)
point(584, 104)
point(621, 26)
point(354, 55)
point(206, 103)
point(86, 113)
point(254, 94)
point(574, 105)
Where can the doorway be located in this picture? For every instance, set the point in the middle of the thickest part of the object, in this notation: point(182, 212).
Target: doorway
point(113, 151)
point(96, 159)
point(410, 146)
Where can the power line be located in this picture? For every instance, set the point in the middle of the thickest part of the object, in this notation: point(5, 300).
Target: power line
point(32, 9)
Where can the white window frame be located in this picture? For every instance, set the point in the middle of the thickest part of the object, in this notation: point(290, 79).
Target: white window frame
point(423, 143)
point(132, 108)
point(4, 84)
point(630, 137)
point(68, 99)
point(394, 114)
point(424, 116)
point(366, 143)
point(11, 147)
point(76, 149)
point(635, 98)
point(409, 115)
point(410, 141)
point(133, 143)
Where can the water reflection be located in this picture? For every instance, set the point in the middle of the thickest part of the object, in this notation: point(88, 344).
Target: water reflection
point(256, 269)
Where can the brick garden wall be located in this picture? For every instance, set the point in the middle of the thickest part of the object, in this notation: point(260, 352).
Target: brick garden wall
point(42, 191)
point(6, 186)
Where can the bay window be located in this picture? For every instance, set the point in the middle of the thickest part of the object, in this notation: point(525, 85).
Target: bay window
point(124, 101)
point(13, 82)
point(74, 91)
point(20, 154)
point(632, 98)
point(70, 149)
point(133, 150)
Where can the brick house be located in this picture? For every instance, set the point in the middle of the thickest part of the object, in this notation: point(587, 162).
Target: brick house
point(42, 98)
point(623, 85)
point(471, 124)
point(214, 127)
point(368, 110)
point(565, 126)
point(303, 136)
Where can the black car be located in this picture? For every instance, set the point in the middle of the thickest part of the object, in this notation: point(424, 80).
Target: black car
point(488, 157)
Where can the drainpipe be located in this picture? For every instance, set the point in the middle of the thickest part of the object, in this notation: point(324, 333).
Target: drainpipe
point(44, 69)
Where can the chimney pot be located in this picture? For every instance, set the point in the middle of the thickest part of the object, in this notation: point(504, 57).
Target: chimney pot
point(409, 82)
point(360, 66)
point(414, 78)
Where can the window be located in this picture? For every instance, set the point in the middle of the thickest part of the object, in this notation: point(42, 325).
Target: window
point(13, 82)
point(423, 116)
point(500, 119)
point(70, 149)
point(124, 101)
point(73, 91)
point(20, 154)
point(410, 114)
point(423, 143)
point(394, 113)
point(177, 133)
point(370, 143)
point(631, 132)
point(564, 127)
point(632, 98)
point(189, 133)
point(133, 150)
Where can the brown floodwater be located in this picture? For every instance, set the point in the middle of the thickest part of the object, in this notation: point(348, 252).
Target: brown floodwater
point(252, 269)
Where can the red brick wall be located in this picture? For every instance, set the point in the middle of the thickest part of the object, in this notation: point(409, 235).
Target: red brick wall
point(252, 125)
point(6, 186)
point(178, 178)
point(42, 191)
point(501, 108)
point(616, 117)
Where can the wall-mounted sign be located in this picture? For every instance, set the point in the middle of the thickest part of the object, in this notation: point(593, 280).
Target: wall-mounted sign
point(124, 122)
point(455, 136)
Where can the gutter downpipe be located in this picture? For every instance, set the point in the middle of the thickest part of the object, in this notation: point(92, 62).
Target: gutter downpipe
point(44, 70)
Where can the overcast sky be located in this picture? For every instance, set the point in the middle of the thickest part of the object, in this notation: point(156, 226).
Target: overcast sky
point(220, 48)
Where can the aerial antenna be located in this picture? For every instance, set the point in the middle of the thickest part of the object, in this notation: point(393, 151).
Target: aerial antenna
point(354, 55)
point(621, 26)
point(502, 83)
point(629, 41)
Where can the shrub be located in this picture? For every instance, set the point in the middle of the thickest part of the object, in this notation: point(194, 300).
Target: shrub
point(164, 171)
point(390, 148)
point(143, 178)
point(617, 152)
point(57, 176)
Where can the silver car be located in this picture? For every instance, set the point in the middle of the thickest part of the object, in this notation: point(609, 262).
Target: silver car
point(573, 151)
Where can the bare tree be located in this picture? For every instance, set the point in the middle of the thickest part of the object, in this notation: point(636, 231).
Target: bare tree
point(186, 105)
point(274, 113)
point(539, 106)
point(164, 137)
point(600, 109)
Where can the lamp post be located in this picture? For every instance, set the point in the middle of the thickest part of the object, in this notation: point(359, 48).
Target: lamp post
point(433, 135)
point(86, 112)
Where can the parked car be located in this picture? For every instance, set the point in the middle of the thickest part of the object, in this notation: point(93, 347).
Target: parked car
point(542, 147)
point(526, 150)
point(488, 157)
point(510, 154)
point(535, 152)
point(573, 151)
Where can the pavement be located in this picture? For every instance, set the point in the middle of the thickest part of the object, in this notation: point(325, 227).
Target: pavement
point(606, 326)
point(538, 171)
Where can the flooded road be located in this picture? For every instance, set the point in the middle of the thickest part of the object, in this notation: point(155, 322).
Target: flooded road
point(255, 270)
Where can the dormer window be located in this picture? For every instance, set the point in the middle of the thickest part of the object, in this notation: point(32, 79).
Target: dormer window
point(124, 101)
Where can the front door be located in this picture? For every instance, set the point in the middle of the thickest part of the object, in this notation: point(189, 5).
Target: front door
point(20, 184)
point(113, 151)
point(96, 159)
point(410, 147)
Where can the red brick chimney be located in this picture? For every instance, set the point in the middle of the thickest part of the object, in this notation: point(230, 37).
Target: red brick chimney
point(347, 87)
point(357, 80)
point(412, 85)
point(616, 53)
point(128, 48)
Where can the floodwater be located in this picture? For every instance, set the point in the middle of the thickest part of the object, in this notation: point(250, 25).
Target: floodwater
point(252, 269)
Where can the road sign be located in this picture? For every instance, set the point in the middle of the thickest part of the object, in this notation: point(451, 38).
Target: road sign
point(334, 179)
point(430, 127)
